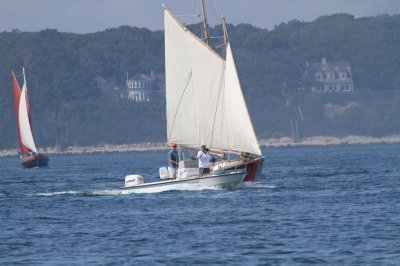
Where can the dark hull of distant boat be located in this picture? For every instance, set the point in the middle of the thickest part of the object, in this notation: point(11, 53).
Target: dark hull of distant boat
point(37, 160)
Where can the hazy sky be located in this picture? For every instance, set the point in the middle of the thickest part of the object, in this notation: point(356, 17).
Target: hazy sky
point(83, 16)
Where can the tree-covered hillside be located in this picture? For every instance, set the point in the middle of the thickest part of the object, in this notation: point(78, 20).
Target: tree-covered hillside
point(68, 109)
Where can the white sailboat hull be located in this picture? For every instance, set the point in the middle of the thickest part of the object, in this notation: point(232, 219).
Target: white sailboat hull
point(228, 180)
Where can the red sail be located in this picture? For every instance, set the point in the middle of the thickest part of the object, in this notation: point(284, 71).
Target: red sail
point(17, 96)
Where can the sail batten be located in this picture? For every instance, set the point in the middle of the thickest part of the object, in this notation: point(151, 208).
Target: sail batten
point(209, 108)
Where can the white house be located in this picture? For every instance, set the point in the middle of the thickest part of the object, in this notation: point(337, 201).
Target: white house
point(330, 77)
point(145, 88)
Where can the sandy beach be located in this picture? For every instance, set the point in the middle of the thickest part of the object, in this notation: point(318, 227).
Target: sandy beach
point(272, 142)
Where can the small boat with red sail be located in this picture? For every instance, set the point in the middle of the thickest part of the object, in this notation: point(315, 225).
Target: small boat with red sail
point(29, 155)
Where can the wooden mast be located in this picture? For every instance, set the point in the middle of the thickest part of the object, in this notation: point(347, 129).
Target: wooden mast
point(226, 38)
point(225, 30)
point(203, 11)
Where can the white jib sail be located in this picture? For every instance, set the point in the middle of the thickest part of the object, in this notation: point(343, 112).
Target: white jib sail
point(24, 124)
point(205, 104)
point(238, 123)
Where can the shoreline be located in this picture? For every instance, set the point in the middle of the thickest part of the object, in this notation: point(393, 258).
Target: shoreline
point(330, 141)
point(264, 143)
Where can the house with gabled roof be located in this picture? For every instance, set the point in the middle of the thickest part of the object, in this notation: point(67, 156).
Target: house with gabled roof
point(145, 88)
point(332, 77)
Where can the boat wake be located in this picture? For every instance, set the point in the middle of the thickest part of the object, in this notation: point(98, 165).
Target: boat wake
point(59, 193)
point(113, 192)
point(182, 187)
point(82, 193)
point(258, 185)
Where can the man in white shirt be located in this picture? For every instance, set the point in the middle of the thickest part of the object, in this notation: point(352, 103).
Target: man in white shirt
point(204, 160)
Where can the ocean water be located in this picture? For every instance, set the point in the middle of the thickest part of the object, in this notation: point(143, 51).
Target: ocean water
point(315, 205)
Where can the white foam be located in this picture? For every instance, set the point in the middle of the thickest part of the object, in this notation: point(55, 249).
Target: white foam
point(257, 185)
point(180, 187)
point(106, 192)
point(70, 192)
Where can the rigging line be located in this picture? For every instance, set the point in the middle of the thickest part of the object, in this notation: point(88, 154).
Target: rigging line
point(220, 45)
point(180, 101)
point(214, 10)
point(193, 11)
point(216, 37)
point(187, 15)
point(216, 108)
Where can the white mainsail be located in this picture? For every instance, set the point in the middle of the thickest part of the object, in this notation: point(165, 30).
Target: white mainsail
point(205, 104)
point(24, 123)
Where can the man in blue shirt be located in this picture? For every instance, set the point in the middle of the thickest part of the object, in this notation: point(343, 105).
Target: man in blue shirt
point(173, 161)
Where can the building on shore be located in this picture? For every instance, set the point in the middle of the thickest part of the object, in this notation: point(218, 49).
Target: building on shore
point(139, 88)
point(324, 77)
point(145, 88)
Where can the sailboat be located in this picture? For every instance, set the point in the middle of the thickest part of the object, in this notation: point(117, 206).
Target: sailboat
point(205, 103)
point(29, 155)
point(204, 106)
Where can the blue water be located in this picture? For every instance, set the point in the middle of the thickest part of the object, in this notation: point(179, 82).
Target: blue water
point(319, 205)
